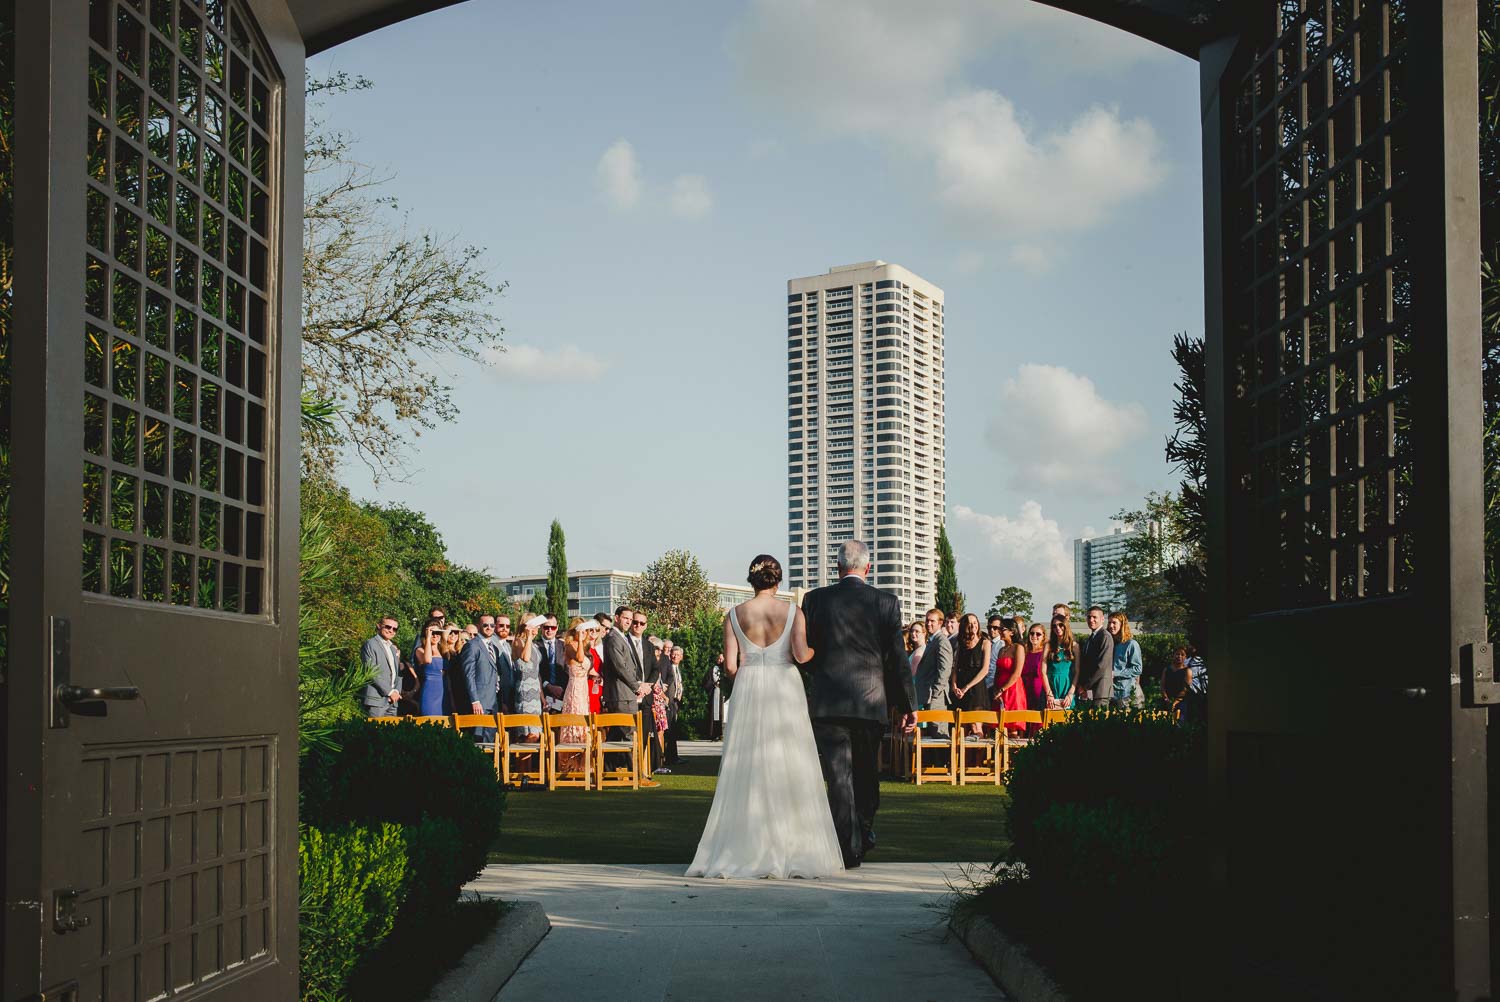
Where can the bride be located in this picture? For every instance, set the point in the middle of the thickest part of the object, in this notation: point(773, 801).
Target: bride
point(770, 814)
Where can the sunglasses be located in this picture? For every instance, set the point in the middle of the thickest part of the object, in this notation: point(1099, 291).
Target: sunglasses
point(502, 626)
point(384, 627)
point(550, 626)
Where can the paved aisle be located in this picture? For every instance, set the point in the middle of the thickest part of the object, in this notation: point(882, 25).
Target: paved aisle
point(628, 933)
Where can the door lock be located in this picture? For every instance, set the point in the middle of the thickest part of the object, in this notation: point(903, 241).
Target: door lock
point(65, 917)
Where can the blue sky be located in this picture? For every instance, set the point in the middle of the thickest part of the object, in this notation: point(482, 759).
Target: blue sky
point(647, 176)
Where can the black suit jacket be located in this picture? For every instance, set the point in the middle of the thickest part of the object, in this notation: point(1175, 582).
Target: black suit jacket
point(859, 664)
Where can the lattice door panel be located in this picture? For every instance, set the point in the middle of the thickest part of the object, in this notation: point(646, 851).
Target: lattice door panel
point(1320, 332)
point(178, 298)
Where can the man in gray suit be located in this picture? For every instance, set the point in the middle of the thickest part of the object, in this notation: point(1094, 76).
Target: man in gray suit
point(935, 670)
point(1096, 671)
point(479, 665)
point(860, 673)
point(383, 662)
point(624, 671)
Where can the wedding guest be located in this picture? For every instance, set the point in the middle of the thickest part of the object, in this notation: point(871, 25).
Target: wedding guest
point(470, 632)
point(481, 678)
point(437, 613)
point(625, 663)
point(1096, 660)
point(1064, 610)
point(382, 661)
point(992, 631)
point(1175, 681)
point(675, 709)
point(950, 627)
point(713, 687)
point(602, 623)
point(1062, 661)
point(969, 668)
point(1021, 631)
point(1010, 694)
point(453, 642)
point(933, 676)
point(575, 696)
point(1034, 671)
point(429, 660)
point(916, 643)
point(551, 671)
point(1127, 664)
point(525, 681)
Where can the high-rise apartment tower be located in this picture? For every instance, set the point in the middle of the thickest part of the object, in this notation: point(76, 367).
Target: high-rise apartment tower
point(865, 416)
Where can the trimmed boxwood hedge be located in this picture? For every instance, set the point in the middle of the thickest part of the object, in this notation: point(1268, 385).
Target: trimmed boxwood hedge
point(408, 773)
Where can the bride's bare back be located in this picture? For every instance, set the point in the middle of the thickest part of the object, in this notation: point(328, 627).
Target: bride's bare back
point(762, 620)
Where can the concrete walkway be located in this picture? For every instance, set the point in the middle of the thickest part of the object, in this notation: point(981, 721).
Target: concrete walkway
point(628, 933)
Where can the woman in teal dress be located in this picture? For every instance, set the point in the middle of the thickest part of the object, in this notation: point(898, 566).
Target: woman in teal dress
point(1062, 659)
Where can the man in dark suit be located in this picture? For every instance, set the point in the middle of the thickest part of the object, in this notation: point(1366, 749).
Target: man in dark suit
point(1096, 671)
point(478, 664)
point(860, 671)
point(624, 671)
point(551, 672)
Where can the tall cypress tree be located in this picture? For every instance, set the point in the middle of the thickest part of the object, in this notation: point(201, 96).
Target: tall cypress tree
point(946, 597)
point(557, 574)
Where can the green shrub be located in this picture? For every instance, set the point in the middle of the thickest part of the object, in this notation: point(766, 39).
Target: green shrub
point(1156, 651)
point(353, 880)
point(407, 773)
point(1122, 789)
point(434, 848)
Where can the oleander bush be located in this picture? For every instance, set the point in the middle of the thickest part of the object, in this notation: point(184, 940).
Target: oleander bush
point(352, 881)
point(408, 773)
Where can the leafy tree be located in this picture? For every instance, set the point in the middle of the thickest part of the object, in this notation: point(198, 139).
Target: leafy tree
point(1012, 600)
point(1147, 569)
point(557, 574)
point(381, 306)
point(1187, 450)
point(946, 595)
point(673, 590)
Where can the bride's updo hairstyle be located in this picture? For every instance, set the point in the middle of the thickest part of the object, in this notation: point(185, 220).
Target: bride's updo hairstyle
point(765, 572)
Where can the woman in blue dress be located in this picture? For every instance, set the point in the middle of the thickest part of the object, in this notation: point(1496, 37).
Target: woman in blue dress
point(430, 662)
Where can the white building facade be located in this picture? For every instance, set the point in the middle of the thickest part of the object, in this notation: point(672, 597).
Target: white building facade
point(865, 426)
point(1093, 584)
point(593, 592)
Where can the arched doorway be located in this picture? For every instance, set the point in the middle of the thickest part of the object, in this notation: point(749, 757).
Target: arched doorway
point(1342, 318)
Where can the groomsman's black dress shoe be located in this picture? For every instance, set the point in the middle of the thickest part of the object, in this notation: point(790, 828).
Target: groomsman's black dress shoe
point(851, 862)
point(867, 841)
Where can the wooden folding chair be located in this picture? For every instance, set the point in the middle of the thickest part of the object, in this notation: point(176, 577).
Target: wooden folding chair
point(444, 721)
point(599, 724)
point(1050, 717)
point(385, 720)
point(465, 721)
point(552, 725)
point(984, 750)
point(512, 750)
point(925, 741)
point(1011, 740)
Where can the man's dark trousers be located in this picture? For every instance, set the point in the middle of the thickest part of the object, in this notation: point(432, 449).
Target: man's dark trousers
point(849, 749)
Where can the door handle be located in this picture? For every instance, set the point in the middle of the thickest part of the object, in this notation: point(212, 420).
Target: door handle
point(70, 694)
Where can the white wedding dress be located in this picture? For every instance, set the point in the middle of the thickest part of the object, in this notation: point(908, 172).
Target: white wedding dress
point(770, 814)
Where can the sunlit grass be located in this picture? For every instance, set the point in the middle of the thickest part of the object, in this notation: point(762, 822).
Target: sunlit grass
point(927, 824)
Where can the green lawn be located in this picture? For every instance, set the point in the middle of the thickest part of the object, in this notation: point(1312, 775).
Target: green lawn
point(926, 824)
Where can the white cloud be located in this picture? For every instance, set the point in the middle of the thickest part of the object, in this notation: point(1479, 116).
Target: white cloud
point(871, 68)
point(991, 171)
point(1030, 542)
point(690, 197)
point(551, 364)
point(619, 176)
point(1060, 429)
point(1033, 259)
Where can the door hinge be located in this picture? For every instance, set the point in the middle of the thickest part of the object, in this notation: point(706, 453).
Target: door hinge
point(1476, 663)
point(65, 917)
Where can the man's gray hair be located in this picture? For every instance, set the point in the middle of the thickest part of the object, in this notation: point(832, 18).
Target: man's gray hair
point(853, 556)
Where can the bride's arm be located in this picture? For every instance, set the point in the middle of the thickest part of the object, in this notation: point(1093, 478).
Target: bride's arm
point(731, 649)
point(801, 653)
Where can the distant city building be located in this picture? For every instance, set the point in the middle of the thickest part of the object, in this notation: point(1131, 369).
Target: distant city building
point(865, 426)
point(1092, 582)
point(593, 592)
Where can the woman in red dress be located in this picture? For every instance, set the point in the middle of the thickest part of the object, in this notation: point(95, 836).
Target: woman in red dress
point(596, 678)
point(1010, 694)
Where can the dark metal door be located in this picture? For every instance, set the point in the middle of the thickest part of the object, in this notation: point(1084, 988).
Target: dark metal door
point(152, 708)
point(1346, 533)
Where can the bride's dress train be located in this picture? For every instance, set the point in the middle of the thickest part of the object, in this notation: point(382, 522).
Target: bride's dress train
point(770, 814)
